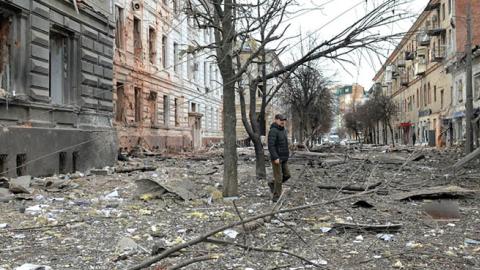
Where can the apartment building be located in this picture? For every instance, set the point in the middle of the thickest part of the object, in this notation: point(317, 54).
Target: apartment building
point(166, 96)
point(274, 107)
point(346, 99)
point(457, 68)
point(417, 77)
point(55, 86)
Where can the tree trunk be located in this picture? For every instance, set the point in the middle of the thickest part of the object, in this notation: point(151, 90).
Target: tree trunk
point(226, 39)
point(391, 132)
point(230, 182)
point(260, 170)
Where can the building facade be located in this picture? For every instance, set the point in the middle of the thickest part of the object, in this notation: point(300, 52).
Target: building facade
point(166, 97)
point(273, 107)
point(346, 99)
point(457, 68)
point(56, 86)
point(419, 74)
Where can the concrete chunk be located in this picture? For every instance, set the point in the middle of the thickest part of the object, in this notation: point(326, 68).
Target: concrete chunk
point(21, 184)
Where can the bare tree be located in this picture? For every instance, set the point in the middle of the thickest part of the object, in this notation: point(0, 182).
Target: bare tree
point(367, 117)
point(310, 102)
point(237, 24)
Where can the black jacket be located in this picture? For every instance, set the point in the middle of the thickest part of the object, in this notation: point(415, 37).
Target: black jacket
point(278, 143)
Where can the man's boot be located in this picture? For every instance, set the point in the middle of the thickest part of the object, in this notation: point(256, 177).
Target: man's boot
point(270, 185)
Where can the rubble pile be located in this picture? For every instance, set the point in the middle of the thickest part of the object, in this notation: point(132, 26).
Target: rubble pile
point(371, 208)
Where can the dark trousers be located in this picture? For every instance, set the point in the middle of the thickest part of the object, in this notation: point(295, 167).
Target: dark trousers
point(280, 175)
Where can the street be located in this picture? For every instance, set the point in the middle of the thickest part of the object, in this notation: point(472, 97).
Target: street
point(116, 220)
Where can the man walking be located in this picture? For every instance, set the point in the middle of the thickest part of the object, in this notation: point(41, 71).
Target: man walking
point(278, 148)
point(414, 138)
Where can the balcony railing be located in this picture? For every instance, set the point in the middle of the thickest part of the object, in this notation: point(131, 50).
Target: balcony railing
point(404, 79)
point(438, 53)
point(421, 52)
point(420, 66)
point(434, 28)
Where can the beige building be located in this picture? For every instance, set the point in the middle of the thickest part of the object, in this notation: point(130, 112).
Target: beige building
point(416, 77)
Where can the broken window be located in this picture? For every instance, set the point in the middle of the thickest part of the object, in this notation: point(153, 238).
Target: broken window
point(441, 99)
point(3, 164)
point(152, 45)
point(120, 103)
point(21, 164)
point(153, 107)
point(164, 51)
point(137, 38)
point(429, 94)
point(5, 53)
point(138, 104)
point(166, 110)
point(176, 57)
point(74, 161)
point(177, 115)
point(120, 30)
point(59, 66)
point(62, 162)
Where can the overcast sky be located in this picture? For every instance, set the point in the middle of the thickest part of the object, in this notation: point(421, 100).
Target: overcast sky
point(334, 16)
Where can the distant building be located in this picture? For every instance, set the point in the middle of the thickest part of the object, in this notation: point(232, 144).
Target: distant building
point(347, 98)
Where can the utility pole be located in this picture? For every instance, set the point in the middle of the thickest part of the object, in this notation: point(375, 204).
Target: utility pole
point(469, 98)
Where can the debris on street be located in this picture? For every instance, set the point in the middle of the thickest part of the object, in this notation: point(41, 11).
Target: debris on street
point(406, 216)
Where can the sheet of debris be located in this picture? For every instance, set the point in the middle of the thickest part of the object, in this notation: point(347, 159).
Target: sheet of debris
point(371, 207)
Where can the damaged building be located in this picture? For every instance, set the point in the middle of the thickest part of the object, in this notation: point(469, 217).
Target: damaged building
point(56, 75)
point(167, 98)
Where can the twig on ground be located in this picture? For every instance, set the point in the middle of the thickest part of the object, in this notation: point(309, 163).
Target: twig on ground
point(193, 260)
point(222, 242)
point(243, 224)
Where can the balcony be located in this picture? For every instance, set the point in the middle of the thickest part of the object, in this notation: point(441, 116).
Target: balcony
point(438, 53)
point(423, 39)
point(421, 52)
point(420, 66)
point(404, 80)
point(434, 28)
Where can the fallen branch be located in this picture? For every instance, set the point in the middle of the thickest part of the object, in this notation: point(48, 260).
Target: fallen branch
point(367, 227)
point(194, 260)
point(222, 242)
point(350, 187)
point(203, 237)
point(133, 169)
point(466, 159)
